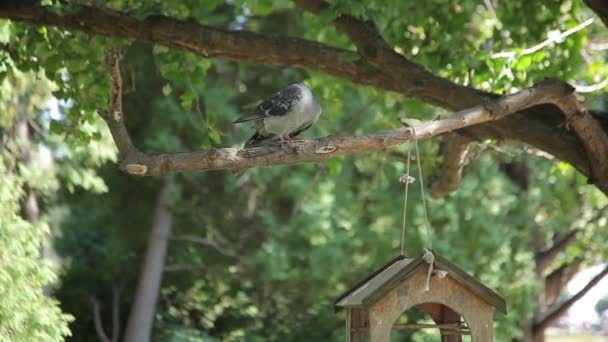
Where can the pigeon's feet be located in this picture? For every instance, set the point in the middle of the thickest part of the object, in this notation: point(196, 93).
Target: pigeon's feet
point(285, 142)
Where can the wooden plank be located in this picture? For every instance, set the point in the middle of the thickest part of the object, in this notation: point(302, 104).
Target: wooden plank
point(368, 278)
point(416, 326)
point(389, 284)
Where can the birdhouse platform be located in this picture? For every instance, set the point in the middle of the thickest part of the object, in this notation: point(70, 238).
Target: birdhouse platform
point(457, 303)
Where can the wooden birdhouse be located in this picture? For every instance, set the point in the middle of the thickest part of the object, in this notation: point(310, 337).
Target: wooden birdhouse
point(457, 303)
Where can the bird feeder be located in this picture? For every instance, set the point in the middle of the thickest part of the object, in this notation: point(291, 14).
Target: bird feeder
point(457, 303)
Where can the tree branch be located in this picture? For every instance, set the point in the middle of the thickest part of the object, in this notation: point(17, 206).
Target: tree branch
point(378, 53)
point(205, 242)
point(454, 148)
point(413, 79)
point(380, 66)
point(545, 257)
point(183, 267)
point(206, 41)
point(556, 310)
point(97, 320)
point(552, 39)
point(557, 280)
point(149, 164)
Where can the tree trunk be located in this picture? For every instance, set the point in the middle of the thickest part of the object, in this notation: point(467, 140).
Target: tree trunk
point(141, 317)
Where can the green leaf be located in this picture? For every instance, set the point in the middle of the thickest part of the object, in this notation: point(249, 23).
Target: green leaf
point(523, 63)
point(167, 89)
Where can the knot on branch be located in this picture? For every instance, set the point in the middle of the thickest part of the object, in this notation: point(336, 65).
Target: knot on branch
point(136, 169)
point(326, 149)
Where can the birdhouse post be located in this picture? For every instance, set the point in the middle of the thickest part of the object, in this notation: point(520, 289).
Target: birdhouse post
point(457, 303)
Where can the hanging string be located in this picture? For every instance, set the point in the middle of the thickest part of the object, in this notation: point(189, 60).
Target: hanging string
point(407, 180)
point(426, 216)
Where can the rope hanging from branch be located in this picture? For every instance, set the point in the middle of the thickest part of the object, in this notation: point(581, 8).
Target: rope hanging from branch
point(407, 179)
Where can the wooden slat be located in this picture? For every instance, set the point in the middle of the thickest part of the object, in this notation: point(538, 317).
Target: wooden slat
point(413, 326)
point(393, 282)
point(467, 280)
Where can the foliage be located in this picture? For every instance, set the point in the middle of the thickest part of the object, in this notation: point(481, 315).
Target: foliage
point(601, 306)
point(26, 314)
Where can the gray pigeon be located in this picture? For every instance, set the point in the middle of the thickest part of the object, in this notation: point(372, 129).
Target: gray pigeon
point(283, 115)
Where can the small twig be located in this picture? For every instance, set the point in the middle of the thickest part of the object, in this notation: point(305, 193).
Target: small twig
point(97, 320)
point(591, 88)
point(554, 39)
point(37, 128)
point(205, 242)
point(183, 267)
point(602, 46)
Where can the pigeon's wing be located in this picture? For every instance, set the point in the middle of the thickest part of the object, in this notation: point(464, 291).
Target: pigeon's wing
point(300, 130)
point(258, 139)
point(276, 105)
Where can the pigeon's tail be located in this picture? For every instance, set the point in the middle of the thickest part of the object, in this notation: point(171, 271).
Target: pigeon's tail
point(258, 140)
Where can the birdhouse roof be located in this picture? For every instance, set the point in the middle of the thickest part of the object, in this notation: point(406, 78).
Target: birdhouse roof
point(398, 270)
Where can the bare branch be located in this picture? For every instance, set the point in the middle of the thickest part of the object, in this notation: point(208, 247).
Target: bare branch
point(184, 267)
point(549, 91)
point(593, 87)
point(114, 116)
point(378, 53)
point(205, 242)
point(556, 310)
point(97, 320)
point(454, 149)
point(552, 39)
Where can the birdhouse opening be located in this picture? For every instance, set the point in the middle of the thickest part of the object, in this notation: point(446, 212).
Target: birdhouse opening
point(435, 321)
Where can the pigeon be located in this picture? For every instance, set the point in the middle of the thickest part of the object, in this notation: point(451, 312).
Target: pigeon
point(283, 115)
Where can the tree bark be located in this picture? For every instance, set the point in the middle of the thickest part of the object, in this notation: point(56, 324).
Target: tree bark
point(141, 317)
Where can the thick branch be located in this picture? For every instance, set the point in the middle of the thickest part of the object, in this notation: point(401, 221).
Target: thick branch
point(536, 127)
point(206, 41)
point(591, 133)
point(114, 116)
point(556, 310)
point(454, 148)
point(322, 149)
point(414, 79)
